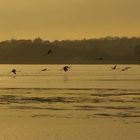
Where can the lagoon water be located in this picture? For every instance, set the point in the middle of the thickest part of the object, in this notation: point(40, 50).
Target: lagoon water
point(92, 102)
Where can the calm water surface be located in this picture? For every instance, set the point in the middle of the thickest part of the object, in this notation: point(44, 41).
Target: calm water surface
point(84, 92)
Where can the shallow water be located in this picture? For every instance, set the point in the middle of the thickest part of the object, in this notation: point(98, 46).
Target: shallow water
point(96, 90)
point(85, 92)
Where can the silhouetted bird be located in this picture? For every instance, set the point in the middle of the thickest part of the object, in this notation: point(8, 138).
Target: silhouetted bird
point(49, 52)
point(44, 69)
point(66, 68)
point(114, 67)
point(126, 68)
point(99, 58)
point(14, 71)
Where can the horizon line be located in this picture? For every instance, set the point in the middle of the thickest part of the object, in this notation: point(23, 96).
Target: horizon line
point(72, 39)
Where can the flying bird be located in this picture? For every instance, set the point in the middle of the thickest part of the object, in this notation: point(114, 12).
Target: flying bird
point(49, 52)
point(13, 71)
point(126, 68)
point(114, 67)
point(44, 69)
point(99, 58)
point(66, 68)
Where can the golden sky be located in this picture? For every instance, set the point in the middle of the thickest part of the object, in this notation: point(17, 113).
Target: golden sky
point(68, 19)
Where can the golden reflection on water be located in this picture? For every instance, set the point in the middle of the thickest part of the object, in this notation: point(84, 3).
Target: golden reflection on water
point(57, 105)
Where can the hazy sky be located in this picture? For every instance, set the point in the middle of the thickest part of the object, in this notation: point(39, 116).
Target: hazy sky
point(68, 19)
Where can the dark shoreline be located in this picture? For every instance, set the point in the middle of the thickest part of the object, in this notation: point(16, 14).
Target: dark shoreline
point(109, 50)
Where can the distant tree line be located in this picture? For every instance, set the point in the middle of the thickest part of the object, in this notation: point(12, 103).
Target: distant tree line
point(108, 50)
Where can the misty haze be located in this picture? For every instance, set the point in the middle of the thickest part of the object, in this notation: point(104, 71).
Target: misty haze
point(70, 70)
